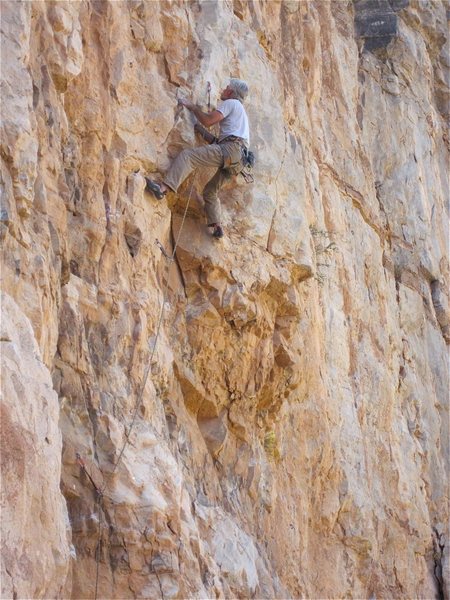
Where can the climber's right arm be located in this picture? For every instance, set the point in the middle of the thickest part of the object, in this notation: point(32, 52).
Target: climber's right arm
point(206, 119)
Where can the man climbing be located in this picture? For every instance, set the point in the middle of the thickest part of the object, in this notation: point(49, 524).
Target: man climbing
point(224, 153)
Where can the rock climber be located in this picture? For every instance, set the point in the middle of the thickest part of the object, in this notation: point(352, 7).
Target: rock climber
point(224, 153)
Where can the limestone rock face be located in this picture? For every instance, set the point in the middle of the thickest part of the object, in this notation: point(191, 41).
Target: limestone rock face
point(263, 416)
point(35, 524)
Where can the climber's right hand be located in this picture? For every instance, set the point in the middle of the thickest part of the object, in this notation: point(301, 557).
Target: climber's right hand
point(186, 103)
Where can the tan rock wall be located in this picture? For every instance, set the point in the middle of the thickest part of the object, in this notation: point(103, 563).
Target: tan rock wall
point(291, 438)
point(35, 526)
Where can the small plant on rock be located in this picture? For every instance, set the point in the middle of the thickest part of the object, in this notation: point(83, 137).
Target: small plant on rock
point(271, 445)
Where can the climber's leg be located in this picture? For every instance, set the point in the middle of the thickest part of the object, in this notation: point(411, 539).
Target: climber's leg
point(190, 159)
point(210, 196)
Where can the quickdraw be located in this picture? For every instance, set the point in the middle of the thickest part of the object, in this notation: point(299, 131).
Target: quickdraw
point(163, 252)
point(83, 467)
point(208, 91)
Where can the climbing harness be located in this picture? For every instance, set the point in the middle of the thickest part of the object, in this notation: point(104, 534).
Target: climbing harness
point(244, 165)
point(100, 492)
point(247, 156)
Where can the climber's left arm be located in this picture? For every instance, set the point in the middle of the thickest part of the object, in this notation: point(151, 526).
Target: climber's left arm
point(206, 119)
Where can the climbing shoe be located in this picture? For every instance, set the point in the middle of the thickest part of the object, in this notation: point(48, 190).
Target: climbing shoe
point(154, 188)
point(217, 231)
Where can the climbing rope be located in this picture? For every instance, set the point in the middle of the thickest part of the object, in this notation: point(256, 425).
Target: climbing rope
point(99, 543)
point(158, 330)
point(99, 491)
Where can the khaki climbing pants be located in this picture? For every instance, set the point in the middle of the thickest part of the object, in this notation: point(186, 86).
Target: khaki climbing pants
point(214, 155)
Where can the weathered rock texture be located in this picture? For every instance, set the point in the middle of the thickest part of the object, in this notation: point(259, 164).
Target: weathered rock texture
point(291, 437)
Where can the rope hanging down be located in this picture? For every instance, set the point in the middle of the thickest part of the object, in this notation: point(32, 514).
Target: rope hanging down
point(158, 330)
point(100, 491)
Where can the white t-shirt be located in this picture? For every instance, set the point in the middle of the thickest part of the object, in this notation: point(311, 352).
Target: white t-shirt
point(235, 121)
